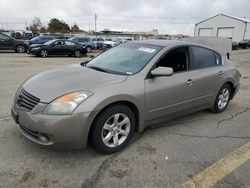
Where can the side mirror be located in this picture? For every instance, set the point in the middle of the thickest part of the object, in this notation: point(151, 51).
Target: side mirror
point(162, 71)
point(84, 63)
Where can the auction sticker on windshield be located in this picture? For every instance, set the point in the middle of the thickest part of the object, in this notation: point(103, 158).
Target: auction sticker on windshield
point(149, 50)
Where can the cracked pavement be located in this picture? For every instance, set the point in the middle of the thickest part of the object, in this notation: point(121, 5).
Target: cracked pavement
point(165, 155)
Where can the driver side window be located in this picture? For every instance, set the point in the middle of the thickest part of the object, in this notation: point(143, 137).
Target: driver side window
point(4, 37)
point(176, 59)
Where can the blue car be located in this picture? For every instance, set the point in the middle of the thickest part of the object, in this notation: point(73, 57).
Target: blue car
point(87, 42)
point(40, 40)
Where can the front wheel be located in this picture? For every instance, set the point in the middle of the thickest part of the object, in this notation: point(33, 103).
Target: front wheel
point(44, 53)
point(222, 99)
point(113, 129)
point(88, 48)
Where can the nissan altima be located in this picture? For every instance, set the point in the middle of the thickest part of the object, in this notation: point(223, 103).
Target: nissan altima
point(123, 91)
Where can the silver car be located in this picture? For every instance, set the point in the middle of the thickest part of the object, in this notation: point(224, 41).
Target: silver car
point(122, 91)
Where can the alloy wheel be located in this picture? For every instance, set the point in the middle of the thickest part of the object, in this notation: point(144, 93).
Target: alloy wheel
point(77, 53)
point(223, 98)
point(116, 130)
point(20, 49)
point(44, 53)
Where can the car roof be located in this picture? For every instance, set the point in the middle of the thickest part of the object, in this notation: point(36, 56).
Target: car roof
point(165, 43)
point(162, 43)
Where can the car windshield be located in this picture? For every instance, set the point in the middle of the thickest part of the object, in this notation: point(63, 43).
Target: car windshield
point(124, 59)
point(50, 42)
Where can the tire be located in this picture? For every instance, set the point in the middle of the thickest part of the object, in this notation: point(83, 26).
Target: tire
point(89, 49)
point(109, 134)
point(222, 99)
point(44, 53)
point(20, 49)
point(77, 53)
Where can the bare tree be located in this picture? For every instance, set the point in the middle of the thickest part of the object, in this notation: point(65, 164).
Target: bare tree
point(36, 25)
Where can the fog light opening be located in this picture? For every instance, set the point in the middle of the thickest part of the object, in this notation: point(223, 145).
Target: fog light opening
point(43, 138)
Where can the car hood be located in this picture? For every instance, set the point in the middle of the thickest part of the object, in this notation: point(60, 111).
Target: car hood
point(52, 84)
point(109, 42)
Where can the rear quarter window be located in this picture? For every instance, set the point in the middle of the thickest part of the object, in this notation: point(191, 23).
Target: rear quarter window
point(202, 58)
point(218, 59)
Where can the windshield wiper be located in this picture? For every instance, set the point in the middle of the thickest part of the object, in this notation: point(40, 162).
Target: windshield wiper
point(97, 68)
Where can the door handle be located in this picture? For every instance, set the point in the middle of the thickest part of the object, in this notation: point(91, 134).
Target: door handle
point(189, 82)
point(220, 73)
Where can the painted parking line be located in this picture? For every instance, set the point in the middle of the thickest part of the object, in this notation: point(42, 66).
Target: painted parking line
point(217, 171)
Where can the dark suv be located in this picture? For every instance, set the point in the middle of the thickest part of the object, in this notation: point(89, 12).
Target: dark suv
point(9, 43)
point(244, 44)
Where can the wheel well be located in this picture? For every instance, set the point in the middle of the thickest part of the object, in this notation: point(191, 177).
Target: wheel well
point(232, 88)
point(126, 103)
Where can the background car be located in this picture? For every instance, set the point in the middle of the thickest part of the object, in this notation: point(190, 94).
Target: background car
point(108, 44)
point(235, 46)
point(57, 47)
point(9, 43)
point(85, 41)
point(98, 42)
point(41, 39)
point(244, 44)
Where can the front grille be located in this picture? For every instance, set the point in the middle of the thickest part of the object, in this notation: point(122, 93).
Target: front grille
point(25, 100)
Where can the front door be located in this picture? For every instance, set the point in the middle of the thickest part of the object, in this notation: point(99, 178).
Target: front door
point(170, 94)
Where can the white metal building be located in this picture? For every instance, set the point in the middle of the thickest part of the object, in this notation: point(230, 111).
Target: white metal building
point(222, 25)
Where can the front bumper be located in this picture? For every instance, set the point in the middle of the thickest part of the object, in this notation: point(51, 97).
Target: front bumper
point(32, 51)
point(60, 131)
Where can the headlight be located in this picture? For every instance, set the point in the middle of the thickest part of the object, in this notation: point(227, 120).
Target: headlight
point(67, 103)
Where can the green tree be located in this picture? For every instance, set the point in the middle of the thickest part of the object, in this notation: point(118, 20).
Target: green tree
point(43, 30)
point(75, 28)
point(57, 26)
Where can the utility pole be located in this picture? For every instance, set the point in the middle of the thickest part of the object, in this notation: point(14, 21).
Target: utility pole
point(95, 25)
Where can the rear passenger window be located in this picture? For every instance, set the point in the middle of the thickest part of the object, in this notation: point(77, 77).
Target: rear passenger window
point(218, 59)
point(202, 58)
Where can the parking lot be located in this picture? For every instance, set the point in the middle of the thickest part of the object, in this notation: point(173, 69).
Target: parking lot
point(193, 151)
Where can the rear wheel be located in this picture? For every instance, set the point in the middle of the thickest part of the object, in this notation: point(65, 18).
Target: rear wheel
point(113, 129)
point(44, 53)
point(77, 53)
point(222, 99)
point(20, 49)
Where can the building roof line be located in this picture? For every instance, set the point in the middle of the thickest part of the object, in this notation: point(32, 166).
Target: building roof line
point(236, 18)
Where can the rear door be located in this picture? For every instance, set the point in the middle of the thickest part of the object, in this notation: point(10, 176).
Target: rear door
point(68, 47)
point(207, 74)
point(6, 43)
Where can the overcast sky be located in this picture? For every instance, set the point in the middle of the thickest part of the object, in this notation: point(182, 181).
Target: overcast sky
point(169, 16)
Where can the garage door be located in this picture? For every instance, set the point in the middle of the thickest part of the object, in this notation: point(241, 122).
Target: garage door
point(225, 32)
point(205, 32)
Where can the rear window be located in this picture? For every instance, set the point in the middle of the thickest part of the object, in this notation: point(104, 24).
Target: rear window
point(202, 58)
